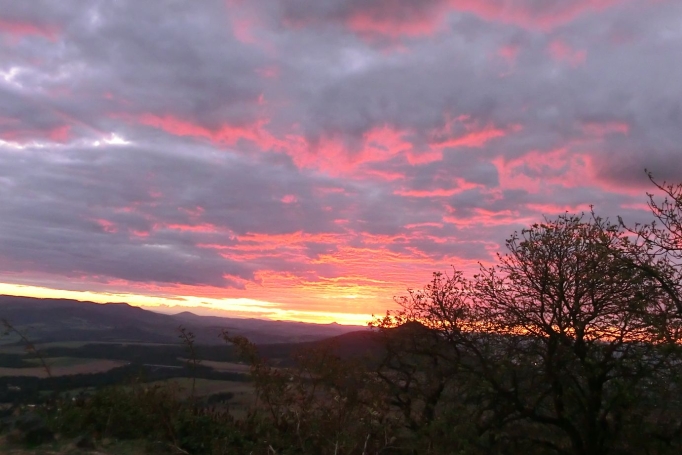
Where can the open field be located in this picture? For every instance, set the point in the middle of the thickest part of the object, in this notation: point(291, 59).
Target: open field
point(68, 448)
point(243, 398)
point(21, 349)
point(206, 387)
point(13, 348)
point(63, 366)
point(225, 367)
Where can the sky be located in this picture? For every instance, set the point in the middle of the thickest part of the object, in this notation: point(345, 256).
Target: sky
point(312, 159)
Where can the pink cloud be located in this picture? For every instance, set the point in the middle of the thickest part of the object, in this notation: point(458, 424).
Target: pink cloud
point(254, 246)
point(226, 134)
point(243, 31)
point(474, 135)
point(268, 72)
point(562, 52)
point(377, 18)
point(404, 19)
point(636, 206)
point(483, 217)
point(427, 193)
point(462, 185)
point(202, 228)
point(509, 52)
point(515, 12)
point(194, 212)
point(537, 169)
point(423, 225)
point(107, 226)
point(383, 142)
point(59, 134)
point(246, 24)
point(20, 29)
point(601, 129)
point(337, 156)
point(472, 139)
point(368, 25)
point(551, 209)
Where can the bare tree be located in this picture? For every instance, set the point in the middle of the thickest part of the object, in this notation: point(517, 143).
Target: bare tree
point(666, 232)
point(659, 252)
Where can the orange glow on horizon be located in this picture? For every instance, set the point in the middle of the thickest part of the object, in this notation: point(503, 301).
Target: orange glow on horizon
point(345, 285)
point(233, 307)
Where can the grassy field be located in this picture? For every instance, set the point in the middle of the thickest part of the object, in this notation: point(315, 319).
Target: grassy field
point(244, 394)
point(10, 347)
point(68, 448)
point(225, 367)
point(21, 349)
point(63, 366)
point(206, 387)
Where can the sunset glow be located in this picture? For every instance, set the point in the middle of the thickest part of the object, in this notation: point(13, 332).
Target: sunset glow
point(311, 160)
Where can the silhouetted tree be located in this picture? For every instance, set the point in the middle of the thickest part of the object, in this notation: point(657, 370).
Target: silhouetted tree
point(659, 252)
point(552, 349)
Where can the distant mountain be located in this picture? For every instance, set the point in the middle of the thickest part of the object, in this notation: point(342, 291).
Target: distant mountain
point(52, 320)
point(46, 320)
point(265, 331)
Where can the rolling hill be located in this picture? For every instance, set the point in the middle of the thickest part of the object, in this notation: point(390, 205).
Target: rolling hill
point(62, 320)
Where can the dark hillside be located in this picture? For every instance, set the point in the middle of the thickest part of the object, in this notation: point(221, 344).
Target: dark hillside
point(262, 331)
point(49, 320)
point(62, 320)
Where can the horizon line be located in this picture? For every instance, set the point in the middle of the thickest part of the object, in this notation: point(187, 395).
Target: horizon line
point(239, 308)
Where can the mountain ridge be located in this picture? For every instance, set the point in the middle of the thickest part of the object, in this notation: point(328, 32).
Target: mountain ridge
point(62, 320)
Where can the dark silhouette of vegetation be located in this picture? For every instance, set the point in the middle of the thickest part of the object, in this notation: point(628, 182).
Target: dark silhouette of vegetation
point(188, 340)
point(325, 405)
point(555, 345)
point(659, 243)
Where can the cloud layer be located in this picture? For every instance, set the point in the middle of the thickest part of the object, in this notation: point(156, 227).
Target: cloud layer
point(320, 156)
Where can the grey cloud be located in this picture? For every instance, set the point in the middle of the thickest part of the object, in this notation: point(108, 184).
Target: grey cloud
point(57, 212)
point(112, 62)
point(149, 58)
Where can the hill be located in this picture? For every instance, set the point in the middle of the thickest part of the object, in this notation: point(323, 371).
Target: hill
point(63, 320)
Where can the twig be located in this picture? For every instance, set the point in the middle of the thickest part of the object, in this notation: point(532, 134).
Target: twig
point(28, 345)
